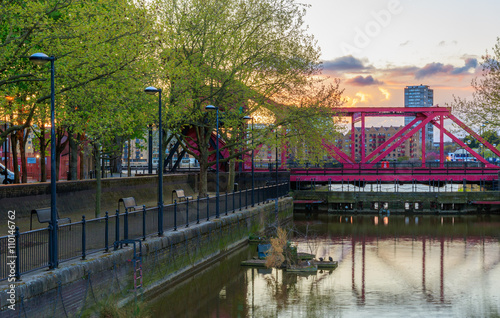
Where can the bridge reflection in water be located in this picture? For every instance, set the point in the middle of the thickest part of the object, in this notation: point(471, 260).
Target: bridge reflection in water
point(395, 266)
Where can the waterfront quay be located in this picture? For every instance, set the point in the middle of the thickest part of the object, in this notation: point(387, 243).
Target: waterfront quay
point(117, 257)
point(392, 201)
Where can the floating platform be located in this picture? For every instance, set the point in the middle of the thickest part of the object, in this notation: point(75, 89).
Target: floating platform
point(261, 263)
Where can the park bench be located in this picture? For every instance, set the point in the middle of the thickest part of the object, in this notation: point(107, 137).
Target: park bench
point(43, 216)
point(180, 195)
point(129, 204)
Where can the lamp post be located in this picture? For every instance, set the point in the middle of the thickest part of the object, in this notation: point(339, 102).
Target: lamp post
point(212, 107)
point(150, 149)
point(253, 175)
point(6, 143)
point(150, 90)
point(41, 59)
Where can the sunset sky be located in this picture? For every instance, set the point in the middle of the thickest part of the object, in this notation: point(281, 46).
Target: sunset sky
point(377, 47)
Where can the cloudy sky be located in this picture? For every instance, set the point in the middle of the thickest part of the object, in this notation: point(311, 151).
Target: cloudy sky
point(377, 47)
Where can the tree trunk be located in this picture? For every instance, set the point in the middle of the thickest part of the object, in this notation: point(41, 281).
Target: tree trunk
point(22, 148)
point(58, 162)
point(15, 166)
point(203, 160)
point(202, 193)
point(97, 155)
point(73, 157)
point(82, 165)
point(231, 175)
point(117, 162)
point(83, 145)
point(43, 150)
point(60, 148)
point(129, 151)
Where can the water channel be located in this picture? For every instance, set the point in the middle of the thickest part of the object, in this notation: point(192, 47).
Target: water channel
point(397, 266)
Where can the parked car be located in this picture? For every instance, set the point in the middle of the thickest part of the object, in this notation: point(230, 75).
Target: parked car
point(10, 175)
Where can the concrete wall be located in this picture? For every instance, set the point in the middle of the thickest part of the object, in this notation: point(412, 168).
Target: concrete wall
point(107, 277)
point(78, 197)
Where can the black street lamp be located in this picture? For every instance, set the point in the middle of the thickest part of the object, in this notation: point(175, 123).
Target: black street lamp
point(150, 149)
point(150, 90)
point(6, 143)
point(41, 59)
point(253, 174)
point(212, 107)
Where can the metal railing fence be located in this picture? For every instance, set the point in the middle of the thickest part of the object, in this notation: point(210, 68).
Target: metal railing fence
point(30, 250)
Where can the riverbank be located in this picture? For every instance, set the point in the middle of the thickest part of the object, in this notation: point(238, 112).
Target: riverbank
point(80, 286)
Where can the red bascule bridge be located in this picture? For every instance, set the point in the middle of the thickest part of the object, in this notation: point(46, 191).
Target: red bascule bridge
point(371, 166)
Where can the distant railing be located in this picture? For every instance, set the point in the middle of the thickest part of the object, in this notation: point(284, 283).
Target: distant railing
point(395, 186)
point(29, 251)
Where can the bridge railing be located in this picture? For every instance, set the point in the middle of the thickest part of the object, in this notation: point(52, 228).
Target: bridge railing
point(333, 165)
point(393, 167)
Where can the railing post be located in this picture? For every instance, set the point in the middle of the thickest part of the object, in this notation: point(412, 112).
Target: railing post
point(18, 261)
point(240, 199)
point(106, 233)
point(125, 225)
point(187, 212)
point(175, 215)
point(117, 230)
point(232, 195)
point(144, 222)
point(246, 198)
point(83, 237)
point(464, 185)
point(198, 210)
point(226, 202)
point(208, 207)
point(258, 195)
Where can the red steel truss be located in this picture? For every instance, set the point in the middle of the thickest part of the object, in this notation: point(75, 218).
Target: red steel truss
point(435, 115)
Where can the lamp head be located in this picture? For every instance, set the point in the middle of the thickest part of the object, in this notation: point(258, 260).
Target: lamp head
point(39, 58)
point(150, 90)
point(211, 107)
point(246, 117)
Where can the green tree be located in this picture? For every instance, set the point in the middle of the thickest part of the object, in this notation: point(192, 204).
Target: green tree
point(247, 58)
point(485, 103)
point(93, 41)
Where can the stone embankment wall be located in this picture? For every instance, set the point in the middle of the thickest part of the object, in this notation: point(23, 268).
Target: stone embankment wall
point(79, 196)
point(104, 278)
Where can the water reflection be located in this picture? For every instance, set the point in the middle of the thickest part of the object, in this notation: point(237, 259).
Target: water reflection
point(395, 266)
